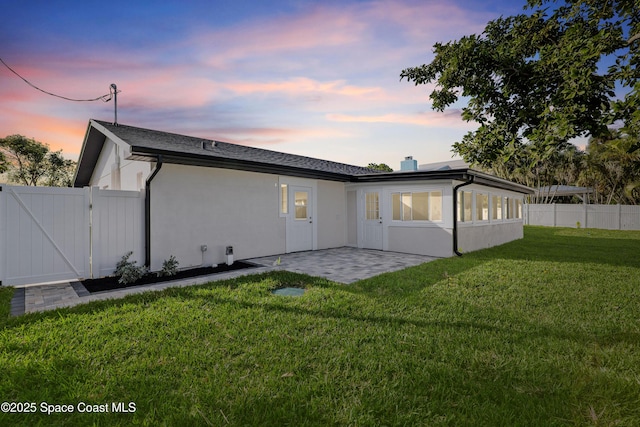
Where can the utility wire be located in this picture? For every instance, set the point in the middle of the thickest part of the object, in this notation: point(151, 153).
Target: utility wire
point(104, 98)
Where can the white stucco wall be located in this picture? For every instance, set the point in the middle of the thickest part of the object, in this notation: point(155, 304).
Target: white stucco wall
point(332, 215)
point(114, 172)
point(431, 241)
point(193, 206)
point(486, 236)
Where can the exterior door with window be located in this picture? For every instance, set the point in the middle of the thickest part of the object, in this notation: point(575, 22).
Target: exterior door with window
point(372, 221)
point(300, 220)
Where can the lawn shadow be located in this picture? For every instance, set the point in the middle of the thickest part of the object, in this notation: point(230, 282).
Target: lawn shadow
point(540, 244)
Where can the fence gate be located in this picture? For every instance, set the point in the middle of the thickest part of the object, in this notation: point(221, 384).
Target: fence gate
point(44, 234)
point(49, 234)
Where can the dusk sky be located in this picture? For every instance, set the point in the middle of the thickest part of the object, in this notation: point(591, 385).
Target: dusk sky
point(316, 78)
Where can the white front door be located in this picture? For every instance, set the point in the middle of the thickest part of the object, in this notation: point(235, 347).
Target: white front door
point(372, 221)
point(300, 220)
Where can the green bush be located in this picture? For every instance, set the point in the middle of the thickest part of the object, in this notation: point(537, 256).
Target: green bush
point(128, 271)
point(169, 267)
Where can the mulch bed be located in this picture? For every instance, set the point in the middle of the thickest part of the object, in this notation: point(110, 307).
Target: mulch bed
point(111, 282)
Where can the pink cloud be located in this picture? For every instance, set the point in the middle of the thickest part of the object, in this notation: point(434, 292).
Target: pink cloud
point(450, 118)
point(364, 31)
point(302, 85)
point(319, 28)
point(269, 136)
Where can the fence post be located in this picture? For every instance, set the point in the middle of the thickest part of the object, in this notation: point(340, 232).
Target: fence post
point(619, 216)
point(555, 214)
point(94, 250)
point(87, 229)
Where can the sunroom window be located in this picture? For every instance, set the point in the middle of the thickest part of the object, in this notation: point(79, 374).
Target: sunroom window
point(482, 207)
point(464, 206)
point(418, 206)
point(496, 207)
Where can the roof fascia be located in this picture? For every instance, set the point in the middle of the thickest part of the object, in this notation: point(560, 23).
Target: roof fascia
point(458, 174)
point(92, 146)
point(89, 155)
point(82, 153)
point(451, 174)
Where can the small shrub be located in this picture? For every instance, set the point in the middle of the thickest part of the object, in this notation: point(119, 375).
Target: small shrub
point(169, 267)
point(128, 271)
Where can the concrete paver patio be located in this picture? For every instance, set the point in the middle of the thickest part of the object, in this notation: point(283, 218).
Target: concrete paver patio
point(342, 265)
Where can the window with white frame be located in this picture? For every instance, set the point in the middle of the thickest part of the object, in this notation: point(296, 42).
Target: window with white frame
point(477, 206)
point(496, 207)
point(372, 206)
point(482, 207)
point(435, 205)
point(465, 201)
point(284, 199)
point(417, 206)
point(301, 199)
point(508, 202)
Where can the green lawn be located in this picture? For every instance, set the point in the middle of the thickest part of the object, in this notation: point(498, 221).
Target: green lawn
point(543, 331)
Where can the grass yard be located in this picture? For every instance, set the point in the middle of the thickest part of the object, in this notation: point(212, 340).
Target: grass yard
point(543, 331)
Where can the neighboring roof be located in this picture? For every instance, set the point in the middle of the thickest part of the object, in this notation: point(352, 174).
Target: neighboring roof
point(448, 165)
point(147, 145)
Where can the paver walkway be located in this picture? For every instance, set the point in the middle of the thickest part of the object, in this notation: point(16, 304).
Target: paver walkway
point(342, 265)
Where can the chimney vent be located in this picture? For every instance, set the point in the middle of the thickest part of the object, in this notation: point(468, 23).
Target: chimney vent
point(408, 164)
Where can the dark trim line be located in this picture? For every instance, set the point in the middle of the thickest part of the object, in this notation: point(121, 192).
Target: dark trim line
point(143, 153)
point(450, 174)
point(455, 213)
point(147, 213)
point(92, 145)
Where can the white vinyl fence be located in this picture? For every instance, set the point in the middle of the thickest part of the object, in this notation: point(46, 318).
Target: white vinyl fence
point(610, 217)
point(50, 234)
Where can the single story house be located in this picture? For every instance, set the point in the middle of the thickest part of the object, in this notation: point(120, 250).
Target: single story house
point(201, 192)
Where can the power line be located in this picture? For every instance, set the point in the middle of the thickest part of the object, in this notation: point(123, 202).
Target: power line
point(104, 98)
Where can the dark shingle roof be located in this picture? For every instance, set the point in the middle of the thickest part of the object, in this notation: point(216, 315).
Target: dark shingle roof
point(148, 145)
point(152, 142)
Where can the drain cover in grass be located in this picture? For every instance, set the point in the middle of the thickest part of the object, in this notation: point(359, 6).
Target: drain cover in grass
point(289, 292)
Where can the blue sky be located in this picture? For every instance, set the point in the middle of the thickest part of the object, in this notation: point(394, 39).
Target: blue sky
point(316, 78)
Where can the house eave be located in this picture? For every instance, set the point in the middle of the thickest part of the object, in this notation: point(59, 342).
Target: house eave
point(451, 174)
point(94, 140)
point(150, 155)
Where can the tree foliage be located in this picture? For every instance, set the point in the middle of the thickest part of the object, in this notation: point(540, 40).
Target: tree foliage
point(612, 169)
point(536, 78)
point(380, 167)
point(563, 166)
point(4, 165)
point(29, 162)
